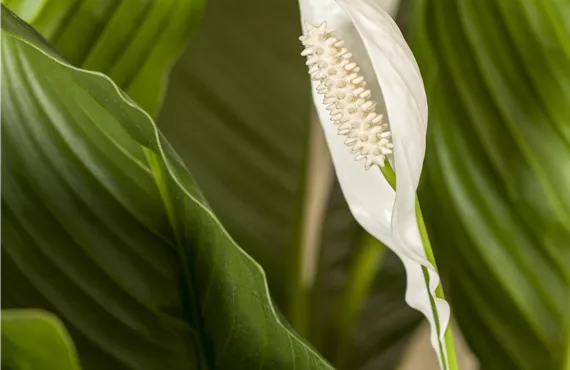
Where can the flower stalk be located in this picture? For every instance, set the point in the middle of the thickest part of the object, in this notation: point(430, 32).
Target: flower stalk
point(450, 362)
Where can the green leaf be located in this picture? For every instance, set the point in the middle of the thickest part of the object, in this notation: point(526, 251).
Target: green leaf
point(498, 87)
point(36, 340)
point(134, 42)
point(103, 226)
point(243, 128)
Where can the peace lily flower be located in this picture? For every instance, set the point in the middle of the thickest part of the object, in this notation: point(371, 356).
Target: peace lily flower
point(370, 99)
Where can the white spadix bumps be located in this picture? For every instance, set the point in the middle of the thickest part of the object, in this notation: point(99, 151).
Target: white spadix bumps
point(345, 96)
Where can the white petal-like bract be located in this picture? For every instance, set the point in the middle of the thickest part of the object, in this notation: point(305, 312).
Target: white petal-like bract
point(377, 47)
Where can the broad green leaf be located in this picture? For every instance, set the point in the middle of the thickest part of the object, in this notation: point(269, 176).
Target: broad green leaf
point(498, 177)
point(103, 225)
point(36, 340)
point(243, 130)
point(134, 42)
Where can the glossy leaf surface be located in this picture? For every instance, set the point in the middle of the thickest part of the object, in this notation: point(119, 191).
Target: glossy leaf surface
point(104, 226)
point(134, 42)
point(498, 175)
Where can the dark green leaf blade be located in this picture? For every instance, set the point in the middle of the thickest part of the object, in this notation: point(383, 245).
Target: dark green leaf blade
point(103, 225)
point(497, 179)
point(135, 42)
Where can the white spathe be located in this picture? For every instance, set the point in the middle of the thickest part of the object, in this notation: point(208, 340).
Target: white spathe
point(393, 77)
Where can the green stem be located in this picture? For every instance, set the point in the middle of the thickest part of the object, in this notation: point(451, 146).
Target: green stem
point(449, 361)
point(296, 293)
point(360, 278)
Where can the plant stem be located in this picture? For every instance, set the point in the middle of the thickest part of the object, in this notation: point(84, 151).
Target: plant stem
point(450, 357)
point(296, 291)
point(296, 309)
point(361, 275)
point(314, 184)
point(448, 336)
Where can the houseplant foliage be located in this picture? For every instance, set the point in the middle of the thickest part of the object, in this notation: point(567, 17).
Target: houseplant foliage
point(497, 165)
point(133, 42)
point(149, 257)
